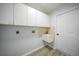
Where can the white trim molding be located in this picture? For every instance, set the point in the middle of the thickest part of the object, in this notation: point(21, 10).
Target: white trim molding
point(33, 51)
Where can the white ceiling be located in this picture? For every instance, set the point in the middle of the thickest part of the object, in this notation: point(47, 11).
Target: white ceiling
point(45, 7)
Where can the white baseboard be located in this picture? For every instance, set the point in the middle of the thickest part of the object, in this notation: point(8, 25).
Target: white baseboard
point(33, 51)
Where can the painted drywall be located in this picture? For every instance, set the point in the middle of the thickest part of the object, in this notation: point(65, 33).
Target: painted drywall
point(42, 30)
point(53, 15)
point(12, 44)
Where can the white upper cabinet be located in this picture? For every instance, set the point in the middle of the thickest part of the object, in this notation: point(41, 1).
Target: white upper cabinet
point(32, 17)
point(37, 18)
point(42, 19)
point(6, 13)
point(20, 14)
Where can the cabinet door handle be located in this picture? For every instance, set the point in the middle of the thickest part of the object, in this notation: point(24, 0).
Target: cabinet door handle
point(57, 34)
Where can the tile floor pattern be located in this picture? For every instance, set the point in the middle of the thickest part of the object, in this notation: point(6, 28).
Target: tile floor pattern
point(45, 51)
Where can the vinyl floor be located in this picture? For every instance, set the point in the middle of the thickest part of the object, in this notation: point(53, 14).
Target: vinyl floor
point(46, 51)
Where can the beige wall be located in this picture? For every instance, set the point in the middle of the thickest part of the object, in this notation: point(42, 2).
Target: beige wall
point(42, 30)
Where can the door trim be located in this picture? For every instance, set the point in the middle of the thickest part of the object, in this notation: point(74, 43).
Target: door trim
point(68, 11)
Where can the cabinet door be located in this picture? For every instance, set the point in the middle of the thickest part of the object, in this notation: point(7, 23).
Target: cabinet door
point(6, 13)
point(20, 14)
point(32, 16)
point(37, 18)
point(47, 21)
point(42, 19)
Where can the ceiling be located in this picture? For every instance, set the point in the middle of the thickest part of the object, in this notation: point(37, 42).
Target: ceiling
point(45, 7)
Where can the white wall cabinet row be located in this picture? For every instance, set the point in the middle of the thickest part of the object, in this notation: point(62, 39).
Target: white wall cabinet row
point(21, 14)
